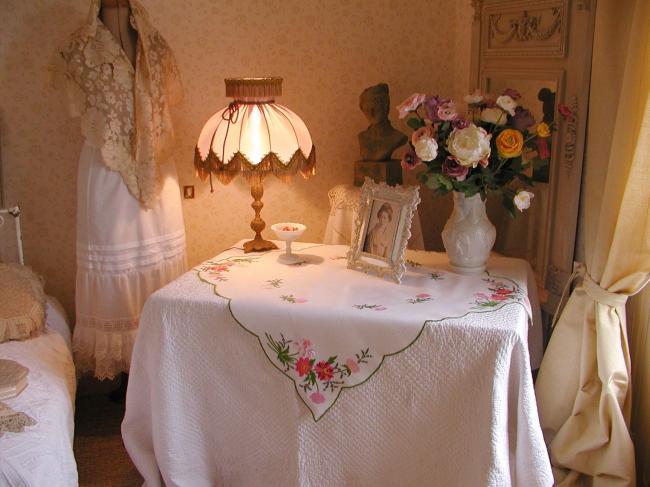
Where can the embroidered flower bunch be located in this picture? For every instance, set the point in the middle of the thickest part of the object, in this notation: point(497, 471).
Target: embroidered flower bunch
point(315, 376)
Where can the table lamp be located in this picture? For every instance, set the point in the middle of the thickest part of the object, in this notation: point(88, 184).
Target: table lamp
point(254, 136)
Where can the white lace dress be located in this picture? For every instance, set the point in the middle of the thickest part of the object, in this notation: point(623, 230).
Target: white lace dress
point(130, 232)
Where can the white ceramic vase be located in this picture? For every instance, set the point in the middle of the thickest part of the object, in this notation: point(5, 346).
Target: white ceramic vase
point(468, 235)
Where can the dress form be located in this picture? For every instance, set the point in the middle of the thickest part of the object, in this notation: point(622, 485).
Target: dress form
point(115, 15)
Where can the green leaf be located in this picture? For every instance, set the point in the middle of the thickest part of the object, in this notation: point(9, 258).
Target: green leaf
point(509, 205)
point(444, 181)
point(331, 360)
point(526, 179)
point(431, 182)
point(415, 123)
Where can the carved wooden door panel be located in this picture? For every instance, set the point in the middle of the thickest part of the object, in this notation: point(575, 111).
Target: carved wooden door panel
point(543, 49)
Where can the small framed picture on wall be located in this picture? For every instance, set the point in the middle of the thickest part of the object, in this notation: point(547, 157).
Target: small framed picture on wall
point(382, 229)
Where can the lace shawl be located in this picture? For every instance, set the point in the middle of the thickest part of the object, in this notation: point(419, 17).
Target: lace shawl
point(124, 111)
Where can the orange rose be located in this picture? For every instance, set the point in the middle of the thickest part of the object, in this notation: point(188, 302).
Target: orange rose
point(510, 143)
point(543, 130)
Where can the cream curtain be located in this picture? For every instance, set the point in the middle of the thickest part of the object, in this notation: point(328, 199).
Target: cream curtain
point(639, 324)
point(583, 388)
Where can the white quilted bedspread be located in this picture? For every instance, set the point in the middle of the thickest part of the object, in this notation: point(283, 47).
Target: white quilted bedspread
point(42, 454)
point(205, 407)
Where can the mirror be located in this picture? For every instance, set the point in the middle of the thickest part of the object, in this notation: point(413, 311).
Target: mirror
point(525, 236)
point(543, 50)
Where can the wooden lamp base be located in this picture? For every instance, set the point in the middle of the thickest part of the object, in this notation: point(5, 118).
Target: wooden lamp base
point(258, 244)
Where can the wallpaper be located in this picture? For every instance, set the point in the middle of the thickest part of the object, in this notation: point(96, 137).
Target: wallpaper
point(327, 53)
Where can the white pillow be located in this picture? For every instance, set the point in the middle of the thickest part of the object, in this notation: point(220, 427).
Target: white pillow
point(22, 303)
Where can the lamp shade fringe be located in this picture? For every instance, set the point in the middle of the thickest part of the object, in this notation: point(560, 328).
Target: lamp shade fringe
point(239, 164)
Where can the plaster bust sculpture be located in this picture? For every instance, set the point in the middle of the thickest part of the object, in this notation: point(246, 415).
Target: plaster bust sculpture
point(380, 139)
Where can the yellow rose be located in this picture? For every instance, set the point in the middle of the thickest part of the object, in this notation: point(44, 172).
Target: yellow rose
point(510, 143)
point(543, 130)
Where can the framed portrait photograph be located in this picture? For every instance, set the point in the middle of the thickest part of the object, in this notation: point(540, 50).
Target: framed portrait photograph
point(382, 229)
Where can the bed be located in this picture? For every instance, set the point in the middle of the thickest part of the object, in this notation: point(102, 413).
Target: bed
point(42, 454)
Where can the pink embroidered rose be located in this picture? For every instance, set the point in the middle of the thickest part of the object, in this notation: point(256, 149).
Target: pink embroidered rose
point(502, 291)
point(410, 104)
point(220, 268)
point(498, 297)
point(300, 300)
point(317, 398)
point(423, 296)
point(303, 366)
point(305, 346)
point(324, 371)
point(353, 365)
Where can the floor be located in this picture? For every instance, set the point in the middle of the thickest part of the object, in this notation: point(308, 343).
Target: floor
point(102, 460)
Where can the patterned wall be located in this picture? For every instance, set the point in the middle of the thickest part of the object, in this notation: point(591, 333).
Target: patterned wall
point(327, 53)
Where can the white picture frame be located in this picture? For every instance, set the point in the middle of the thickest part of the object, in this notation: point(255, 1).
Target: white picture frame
point(382, 229)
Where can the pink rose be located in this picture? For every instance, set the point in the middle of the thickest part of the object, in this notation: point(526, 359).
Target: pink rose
point(300, 300)
point(410, 160)
point(431, 105)
point(565, 111)
point(542, 148)
point(423, 296)
point(317, 397)
point(447, 111)
point(451, 168)
point(514, 94)
point(459, 123)
point(353, 365)
point(410, 104)
point(422, 132)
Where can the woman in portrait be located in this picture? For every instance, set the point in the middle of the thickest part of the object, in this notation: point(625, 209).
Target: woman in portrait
point(379, 238)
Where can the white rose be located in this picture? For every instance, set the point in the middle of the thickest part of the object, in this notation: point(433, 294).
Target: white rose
point(494, 115)
point(522, 200)
point(426, 148)
point(474, 98)
point(507, 103)
point(470, 145)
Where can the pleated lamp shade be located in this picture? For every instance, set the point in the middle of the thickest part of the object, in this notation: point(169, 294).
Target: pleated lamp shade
point(254, 135)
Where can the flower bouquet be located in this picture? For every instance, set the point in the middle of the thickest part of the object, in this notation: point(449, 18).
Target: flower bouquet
point(489, 149)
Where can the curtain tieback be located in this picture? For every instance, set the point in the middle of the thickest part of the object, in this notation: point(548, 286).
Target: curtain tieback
point(601, 295)
point(593, 290)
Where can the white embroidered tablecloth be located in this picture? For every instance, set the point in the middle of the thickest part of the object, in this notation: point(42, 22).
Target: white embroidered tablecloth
point(249, 372)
